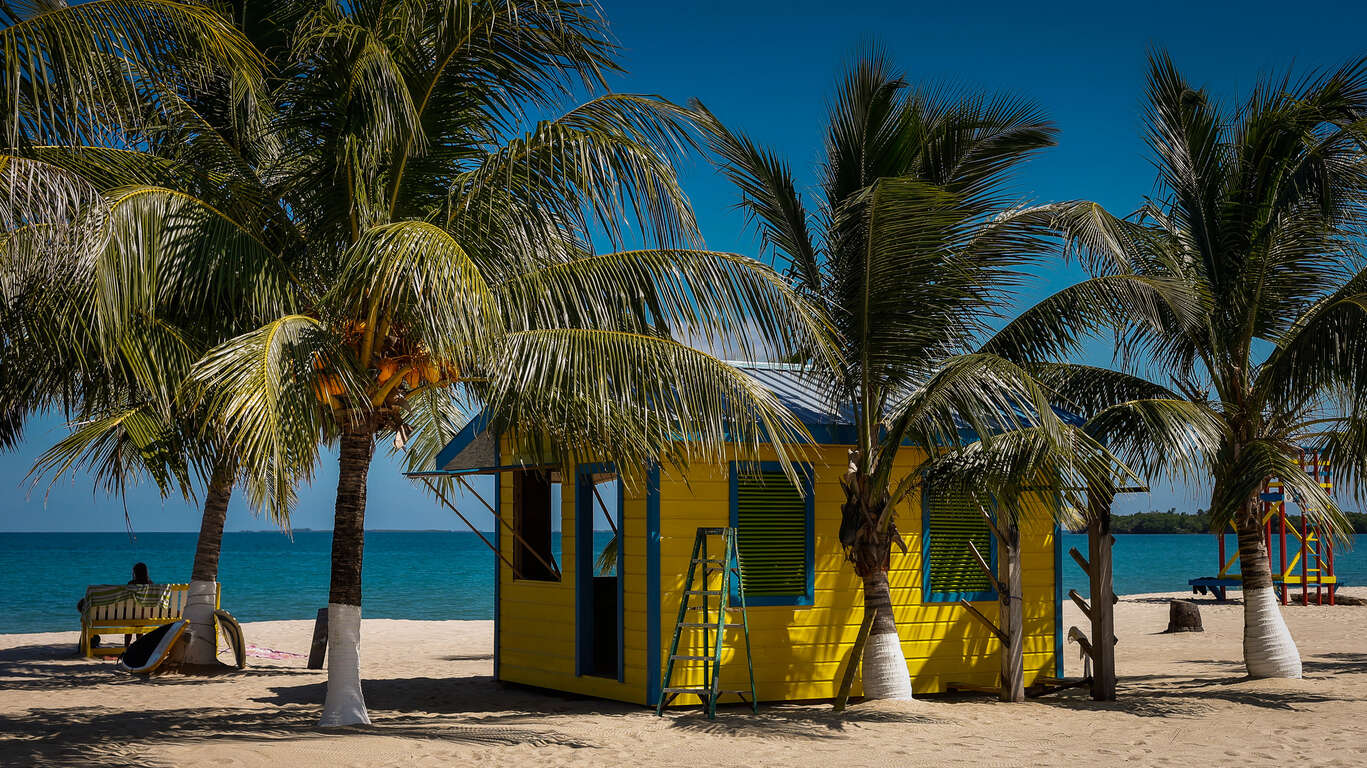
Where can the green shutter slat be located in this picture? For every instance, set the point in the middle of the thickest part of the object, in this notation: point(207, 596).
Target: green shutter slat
point(771, 534)
point(952, 523)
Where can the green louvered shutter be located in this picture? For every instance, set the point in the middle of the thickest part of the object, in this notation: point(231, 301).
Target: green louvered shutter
point(771, 533)
point(953, 523)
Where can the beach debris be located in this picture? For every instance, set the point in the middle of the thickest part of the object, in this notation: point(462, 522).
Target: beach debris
point(318, 650)
point(258, 652)
point(1184, 616)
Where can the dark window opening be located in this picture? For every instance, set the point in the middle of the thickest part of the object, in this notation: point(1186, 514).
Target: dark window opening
point(536, 518)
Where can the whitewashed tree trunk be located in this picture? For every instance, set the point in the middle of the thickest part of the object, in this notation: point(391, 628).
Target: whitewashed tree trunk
point(1269, 650)
point(345, 703)
point(884, 665)
point(201, 647)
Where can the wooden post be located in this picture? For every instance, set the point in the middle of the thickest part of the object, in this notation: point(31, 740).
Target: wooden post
point(1099, 542)
point(1013, 617)
point(842, 696)
point(319, 648)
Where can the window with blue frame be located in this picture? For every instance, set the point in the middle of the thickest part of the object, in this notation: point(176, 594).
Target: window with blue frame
point(949, 523)
point(774, 533)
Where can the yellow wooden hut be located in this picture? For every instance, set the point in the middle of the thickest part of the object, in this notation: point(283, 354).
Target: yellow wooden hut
point(567, 618)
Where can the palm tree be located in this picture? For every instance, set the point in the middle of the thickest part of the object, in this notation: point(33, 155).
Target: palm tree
point(97, 113)
point(1254, 225)
point(912, 249)
point(1021, 474)
point(438, 238)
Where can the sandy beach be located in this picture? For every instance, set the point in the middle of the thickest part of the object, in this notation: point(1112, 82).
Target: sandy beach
point(1183, 701)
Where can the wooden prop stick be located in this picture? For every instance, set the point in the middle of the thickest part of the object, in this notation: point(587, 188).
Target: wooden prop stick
point(604, 507)
point(842, 696)
point(1081, 561)
point(992, 525)
point(472, 527)
point(977, 614)
point(1081, 604)
point(982, 563)
point(1077, 636)
point(517, 536)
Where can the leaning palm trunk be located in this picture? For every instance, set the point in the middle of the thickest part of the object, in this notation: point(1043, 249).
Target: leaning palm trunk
point(883, 663)
point(885, 666)
point(345, 703)
point(200, 600)
point(1269, 650)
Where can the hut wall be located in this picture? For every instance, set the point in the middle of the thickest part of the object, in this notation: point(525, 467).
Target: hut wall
point(798, 650)
point(537, 637)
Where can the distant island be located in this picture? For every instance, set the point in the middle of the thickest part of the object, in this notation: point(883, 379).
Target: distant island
point(1173, 521)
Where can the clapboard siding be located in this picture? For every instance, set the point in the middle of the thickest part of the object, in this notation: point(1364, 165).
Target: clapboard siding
point(537, 633)
point(798, 650)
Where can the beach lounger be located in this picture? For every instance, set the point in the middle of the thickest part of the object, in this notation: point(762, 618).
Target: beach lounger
point(128, 609)
point(149, 651)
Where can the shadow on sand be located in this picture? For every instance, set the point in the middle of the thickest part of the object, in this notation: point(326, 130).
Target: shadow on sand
point(79, 736)
point(787, 722)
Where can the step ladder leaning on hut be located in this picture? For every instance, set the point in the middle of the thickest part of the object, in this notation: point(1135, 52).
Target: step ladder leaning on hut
point(697, 604)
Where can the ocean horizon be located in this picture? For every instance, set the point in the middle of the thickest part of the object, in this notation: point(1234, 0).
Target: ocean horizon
point(424, 575)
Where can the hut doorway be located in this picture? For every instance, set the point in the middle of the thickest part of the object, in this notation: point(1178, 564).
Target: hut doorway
point(598, 571)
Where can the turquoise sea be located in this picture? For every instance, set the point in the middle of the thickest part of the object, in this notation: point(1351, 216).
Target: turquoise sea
point(419, 574)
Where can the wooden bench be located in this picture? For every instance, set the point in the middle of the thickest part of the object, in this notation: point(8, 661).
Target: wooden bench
point(129, 615)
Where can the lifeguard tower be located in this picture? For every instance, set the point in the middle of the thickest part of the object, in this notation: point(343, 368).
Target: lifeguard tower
point(1311, 552)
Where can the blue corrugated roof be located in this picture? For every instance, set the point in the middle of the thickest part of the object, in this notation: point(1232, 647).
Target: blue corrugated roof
point(813, 400)
point(810, 397)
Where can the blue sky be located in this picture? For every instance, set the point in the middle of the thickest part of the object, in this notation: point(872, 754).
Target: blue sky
point(766, 68)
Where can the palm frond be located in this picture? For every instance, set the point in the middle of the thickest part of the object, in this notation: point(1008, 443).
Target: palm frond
point(722, 299)
point(567, 394)
point(413, 278)
point(770, 198)
point(57, 83)
point(609, 158)
point(275, 391)
point(118, 448)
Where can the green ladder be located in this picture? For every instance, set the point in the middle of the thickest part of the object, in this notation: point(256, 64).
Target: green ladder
point(713, 632)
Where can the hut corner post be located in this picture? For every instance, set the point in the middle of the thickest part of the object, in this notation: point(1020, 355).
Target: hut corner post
point(1012, 614)
point(1010, 609)
point(1101, 588)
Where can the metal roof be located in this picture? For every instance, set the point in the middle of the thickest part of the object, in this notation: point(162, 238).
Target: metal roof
point(810, 397)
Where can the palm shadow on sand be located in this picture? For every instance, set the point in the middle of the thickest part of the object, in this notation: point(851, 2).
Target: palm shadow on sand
point(80, 736)
point(779, 721)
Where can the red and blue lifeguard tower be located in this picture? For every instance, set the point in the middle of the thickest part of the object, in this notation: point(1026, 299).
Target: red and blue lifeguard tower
point(1311, 551)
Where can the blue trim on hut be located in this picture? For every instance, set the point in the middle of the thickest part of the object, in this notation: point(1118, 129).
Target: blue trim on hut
point(1058, 601)
point(498, 560)
point(653, 585)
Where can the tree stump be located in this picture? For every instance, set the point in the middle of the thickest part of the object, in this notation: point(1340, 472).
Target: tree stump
point(1184, 616)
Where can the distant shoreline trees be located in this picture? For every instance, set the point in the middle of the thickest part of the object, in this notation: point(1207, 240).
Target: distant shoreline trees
point(1173, 521)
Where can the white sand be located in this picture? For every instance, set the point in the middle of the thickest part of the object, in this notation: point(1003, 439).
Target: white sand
point(1183, 702)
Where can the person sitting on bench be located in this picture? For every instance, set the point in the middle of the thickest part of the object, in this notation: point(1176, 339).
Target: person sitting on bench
point(139, 577)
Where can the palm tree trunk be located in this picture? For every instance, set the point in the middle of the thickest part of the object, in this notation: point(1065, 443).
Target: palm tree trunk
point(885, 667)
point(1012, 615)
point(345, 703)
point(870, 549)
point(200, 600)
point(1269, 650)
point(1102, 590)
